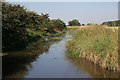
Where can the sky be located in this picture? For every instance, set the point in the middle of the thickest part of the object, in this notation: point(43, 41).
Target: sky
point(63, 0)
point(85, 12)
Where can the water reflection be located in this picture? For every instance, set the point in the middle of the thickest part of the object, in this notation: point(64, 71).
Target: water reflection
point(30, 64)
point(17, 64)
point(93, 70)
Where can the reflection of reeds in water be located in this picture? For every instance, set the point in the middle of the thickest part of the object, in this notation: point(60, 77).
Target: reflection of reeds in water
point(93, 70)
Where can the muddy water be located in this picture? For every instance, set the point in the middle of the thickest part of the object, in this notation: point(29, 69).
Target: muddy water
point(49, 60)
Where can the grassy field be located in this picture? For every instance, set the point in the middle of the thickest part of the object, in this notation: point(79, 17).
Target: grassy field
point(96, 43)
point(71, 27)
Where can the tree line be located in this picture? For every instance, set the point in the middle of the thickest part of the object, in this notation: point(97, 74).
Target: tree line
point(75, 22)
point(21, 26)
point(112, 23)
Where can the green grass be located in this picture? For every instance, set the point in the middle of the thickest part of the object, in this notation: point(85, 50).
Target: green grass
point(97, 44)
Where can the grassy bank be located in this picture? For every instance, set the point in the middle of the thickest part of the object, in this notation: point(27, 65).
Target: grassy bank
point(97, 44)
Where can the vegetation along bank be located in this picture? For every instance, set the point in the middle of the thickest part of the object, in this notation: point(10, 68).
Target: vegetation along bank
point(21, 27)
point(97, 44)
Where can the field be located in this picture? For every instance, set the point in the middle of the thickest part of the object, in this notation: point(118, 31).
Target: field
point(70, 27)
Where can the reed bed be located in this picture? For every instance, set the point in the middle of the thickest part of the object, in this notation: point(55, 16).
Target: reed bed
point(97, 44)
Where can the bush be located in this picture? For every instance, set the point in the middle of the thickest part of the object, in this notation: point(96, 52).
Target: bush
point(56, 25)
point(21, 26)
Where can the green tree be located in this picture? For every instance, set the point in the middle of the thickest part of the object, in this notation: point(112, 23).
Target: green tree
point(83, 24)
point(74, 22)
point(16, 21)
point(56, 24)
point(21, 26)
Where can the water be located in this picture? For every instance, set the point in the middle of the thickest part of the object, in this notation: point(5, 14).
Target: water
point(50, 61)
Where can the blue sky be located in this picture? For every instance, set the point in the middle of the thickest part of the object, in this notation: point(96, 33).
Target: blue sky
point(85, 12)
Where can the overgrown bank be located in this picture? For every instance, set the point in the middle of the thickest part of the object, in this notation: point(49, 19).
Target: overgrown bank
point(97, 44)
point(21, 27)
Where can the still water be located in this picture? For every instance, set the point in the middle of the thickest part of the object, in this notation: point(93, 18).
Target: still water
point(50, 60)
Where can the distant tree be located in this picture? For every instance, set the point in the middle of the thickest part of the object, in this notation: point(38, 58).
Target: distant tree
point(83, 24)
point(112, 23)
point(89, 24)
point(96, 24)
point(56, 24)
point(74, 22)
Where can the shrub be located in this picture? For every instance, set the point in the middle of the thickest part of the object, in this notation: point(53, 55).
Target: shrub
point(21, 26)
